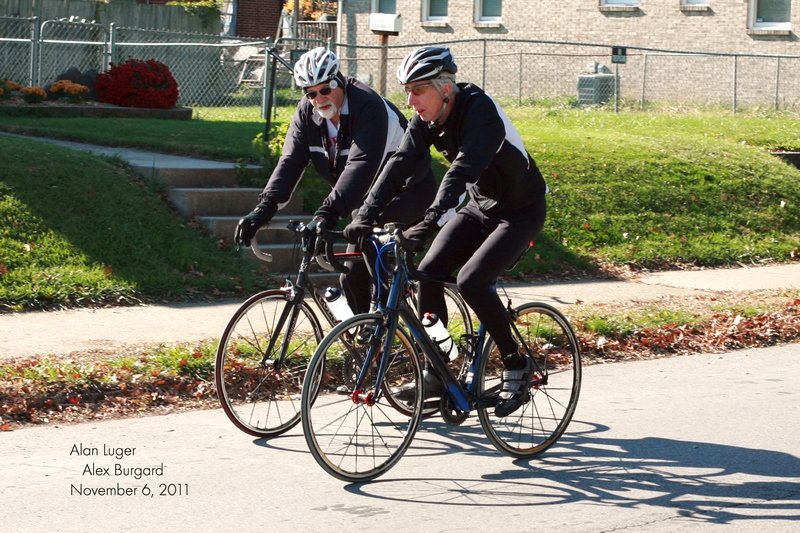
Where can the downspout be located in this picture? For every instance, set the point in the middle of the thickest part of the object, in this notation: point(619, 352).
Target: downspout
point(339, 18)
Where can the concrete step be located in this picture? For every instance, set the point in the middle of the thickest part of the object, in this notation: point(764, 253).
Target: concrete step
point(285, 262)
point(177, 171)
point(282, 260)
point(275, 232)
point(196, 177)
point(221, 201)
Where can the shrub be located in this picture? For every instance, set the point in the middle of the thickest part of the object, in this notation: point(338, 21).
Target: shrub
point(74, 92)
point(137, 83)
point(7, 87)
point(33, 95)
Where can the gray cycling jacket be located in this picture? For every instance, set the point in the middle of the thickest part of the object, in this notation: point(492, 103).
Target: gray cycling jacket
point(369, 131)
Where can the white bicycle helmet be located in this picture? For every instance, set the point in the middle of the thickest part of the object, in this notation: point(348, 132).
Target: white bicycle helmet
point(316, 66)
point(425, 63)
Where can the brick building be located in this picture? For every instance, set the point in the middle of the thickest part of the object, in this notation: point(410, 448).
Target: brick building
point(254, 18)
point(245, 18)
point(757, 26)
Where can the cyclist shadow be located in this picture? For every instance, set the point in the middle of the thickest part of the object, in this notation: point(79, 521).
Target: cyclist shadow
point(707, 482)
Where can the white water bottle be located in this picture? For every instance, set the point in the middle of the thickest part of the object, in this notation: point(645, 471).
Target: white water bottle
point(338, 304)
point(439, 334)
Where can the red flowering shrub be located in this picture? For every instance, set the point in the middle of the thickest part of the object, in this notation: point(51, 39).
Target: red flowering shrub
point(137, 83)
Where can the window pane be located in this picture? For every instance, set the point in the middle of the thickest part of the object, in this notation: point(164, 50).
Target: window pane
point(492, 8)
point(387, 6)
point(773, 10)
point(438, 8)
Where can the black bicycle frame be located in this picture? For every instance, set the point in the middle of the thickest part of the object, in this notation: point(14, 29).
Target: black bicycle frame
point(295, 292)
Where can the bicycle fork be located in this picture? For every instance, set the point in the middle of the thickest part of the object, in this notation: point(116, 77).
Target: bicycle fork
point(288, 314)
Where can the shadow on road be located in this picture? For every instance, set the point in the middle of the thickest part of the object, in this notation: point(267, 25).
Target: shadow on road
point(706, 482)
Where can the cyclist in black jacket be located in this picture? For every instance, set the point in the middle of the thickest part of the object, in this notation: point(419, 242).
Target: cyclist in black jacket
point(505, 211)
point(347, 131)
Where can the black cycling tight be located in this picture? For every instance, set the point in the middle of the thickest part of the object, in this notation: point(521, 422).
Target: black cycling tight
point(485, 246)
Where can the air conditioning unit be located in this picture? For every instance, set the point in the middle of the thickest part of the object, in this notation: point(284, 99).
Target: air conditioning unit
point(596, 89)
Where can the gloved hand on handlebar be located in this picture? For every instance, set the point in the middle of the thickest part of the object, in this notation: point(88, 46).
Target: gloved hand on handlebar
point(323, 219)
point(420, 233)
point(250, 223)
point(358, 229)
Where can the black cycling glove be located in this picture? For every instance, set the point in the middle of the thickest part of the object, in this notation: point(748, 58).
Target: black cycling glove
point(358, 229)
point(250, 223)
point(328, 216)
point(421, 233)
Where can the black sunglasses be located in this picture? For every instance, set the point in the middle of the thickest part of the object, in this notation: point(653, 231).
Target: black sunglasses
point(325, 91)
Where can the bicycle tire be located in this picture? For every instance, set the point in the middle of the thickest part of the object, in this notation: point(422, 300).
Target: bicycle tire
point(263, 399)
point(539, 423)
point(351, 439)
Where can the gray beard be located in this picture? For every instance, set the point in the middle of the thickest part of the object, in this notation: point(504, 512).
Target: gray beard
point(328, 113)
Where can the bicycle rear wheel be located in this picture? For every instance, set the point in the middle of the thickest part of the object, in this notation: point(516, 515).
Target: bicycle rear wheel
point(360, 435)
point(554, 391)
point(260, 365)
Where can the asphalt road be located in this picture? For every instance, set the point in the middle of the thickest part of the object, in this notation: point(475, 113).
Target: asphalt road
point(678, 444)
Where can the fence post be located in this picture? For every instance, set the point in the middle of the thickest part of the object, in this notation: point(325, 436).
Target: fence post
point(39, 55)
point(384, 40)
point(777, 83)
point(735, 66)
point(616, 87)
point(644, 79)
point(519, 88)
point(108, 57)
point(268, 90)
point(483, 66)
point(33, 68)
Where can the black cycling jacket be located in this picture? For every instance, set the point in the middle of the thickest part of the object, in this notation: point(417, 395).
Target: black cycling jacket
point(368, 133)
point(486, 154)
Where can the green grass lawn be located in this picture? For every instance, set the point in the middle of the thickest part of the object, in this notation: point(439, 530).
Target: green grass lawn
point(80, 230)
point(643, 189)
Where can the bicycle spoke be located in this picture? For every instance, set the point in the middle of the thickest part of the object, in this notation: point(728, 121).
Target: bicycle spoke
point(361, 435)
point(545, 335)
point(260, 390)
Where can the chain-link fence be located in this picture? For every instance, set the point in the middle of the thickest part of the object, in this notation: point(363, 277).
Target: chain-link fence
point(215, 71)
point(18, 41)
point(210, 70)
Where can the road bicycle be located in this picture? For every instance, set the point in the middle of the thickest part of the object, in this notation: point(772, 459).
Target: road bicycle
point(264, 350)
point(361, 436)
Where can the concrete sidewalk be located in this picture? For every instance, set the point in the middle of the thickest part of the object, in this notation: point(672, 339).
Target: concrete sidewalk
point(142, 161)
point(81, 330)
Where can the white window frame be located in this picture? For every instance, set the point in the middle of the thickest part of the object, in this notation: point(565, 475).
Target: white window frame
point(376, 4)
point(479, 18)
point(754, 24)
point(426, 12)
point(695, 5)
point(619, 3)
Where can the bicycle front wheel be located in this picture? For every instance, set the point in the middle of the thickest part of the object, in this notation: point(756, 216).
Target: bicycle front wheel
point(360, 435)
point(261, 362)
point(553, 390)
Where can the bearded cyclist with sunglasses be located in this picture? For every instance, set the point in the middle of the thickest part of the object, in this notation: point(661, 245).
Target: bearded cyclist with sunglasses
point(347, 132)
point(505, 211)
